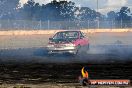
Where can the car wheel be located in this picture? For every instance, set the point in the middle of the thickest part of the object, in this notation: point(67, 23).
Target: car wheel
point(77, 50)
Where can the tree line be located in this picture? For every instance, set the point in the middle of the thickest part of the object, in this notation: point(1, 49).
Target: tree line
point(59, 11)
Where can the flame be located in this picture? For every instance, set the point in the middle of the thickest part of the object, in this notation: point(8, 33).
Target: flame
point(84, 73)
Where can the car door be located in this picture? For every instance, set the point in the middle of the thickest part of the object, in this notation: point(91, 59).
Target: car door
point(83, 39)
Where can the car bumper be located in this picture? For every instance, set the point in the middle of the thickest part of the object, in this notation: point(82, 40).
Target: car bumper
point(71, 50)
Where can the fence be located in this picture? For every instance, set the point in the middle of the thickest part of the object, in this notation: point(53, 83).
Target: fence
point(36, 25)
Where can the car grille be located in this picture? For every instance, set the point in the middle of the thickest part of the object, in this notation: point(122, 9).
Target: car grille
point(59, 46)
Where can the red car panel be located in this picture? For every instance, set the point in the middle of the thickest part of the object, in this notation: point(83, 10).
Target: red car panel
point(67, 41)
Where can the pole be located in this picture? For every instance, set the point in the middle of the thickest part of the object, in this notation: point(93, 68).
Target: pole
point(121, 23)
point(88, 23)
point(48, 24)
point(97, 15)
point(40, 24)
point(97, 5)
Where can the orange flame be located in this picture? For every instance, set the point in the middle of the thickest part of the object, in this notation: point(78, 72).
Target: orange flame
point(84, 73)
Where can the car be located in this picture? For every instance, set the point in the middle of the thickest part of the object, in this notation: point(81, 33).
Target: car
point(67, 42)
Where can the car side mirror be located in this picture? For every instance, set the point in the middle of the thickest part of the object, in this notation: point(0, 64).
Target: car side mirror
point(50, 38)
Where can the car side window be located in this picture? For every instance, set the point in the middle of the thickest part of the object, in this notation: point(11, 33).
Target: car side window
point(81, 35)
point(76, 35)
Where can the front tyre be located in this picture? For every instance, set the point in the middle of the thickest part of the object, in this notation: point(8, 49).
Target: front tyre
point(77, 50)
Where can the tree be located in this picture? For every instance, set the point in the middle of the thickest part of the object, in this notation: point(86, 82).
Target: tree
point(8, 8)
point(28, 9)
point(62, 10)
point(111, 15)
point(67, 10)
point(124, 17)
point(36, 12)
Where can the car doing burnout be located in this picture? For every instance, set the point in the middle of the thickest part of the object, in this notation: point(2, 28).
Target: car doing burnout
point(67, 42)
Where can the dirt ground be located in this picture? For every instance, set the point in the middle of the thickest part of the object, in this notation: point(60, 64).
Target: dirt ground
point(24, 64)
point(29, 41)
point(51, 85)
point(40, 75)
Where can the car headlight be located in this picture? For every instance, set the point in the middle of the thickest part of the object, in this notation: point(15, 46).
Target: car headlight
point(50, 45)
point(70, 45)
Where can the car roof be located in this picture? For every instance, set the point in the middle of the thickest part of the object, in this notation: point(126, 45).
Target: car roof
point(70, 31)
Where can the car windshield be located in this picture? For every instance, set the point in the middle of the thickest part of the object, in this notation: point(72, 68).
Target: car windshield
point(66, 35)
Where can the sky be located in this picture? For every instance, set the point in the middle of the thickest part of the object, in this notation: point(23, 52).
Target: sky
point(104, 6)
